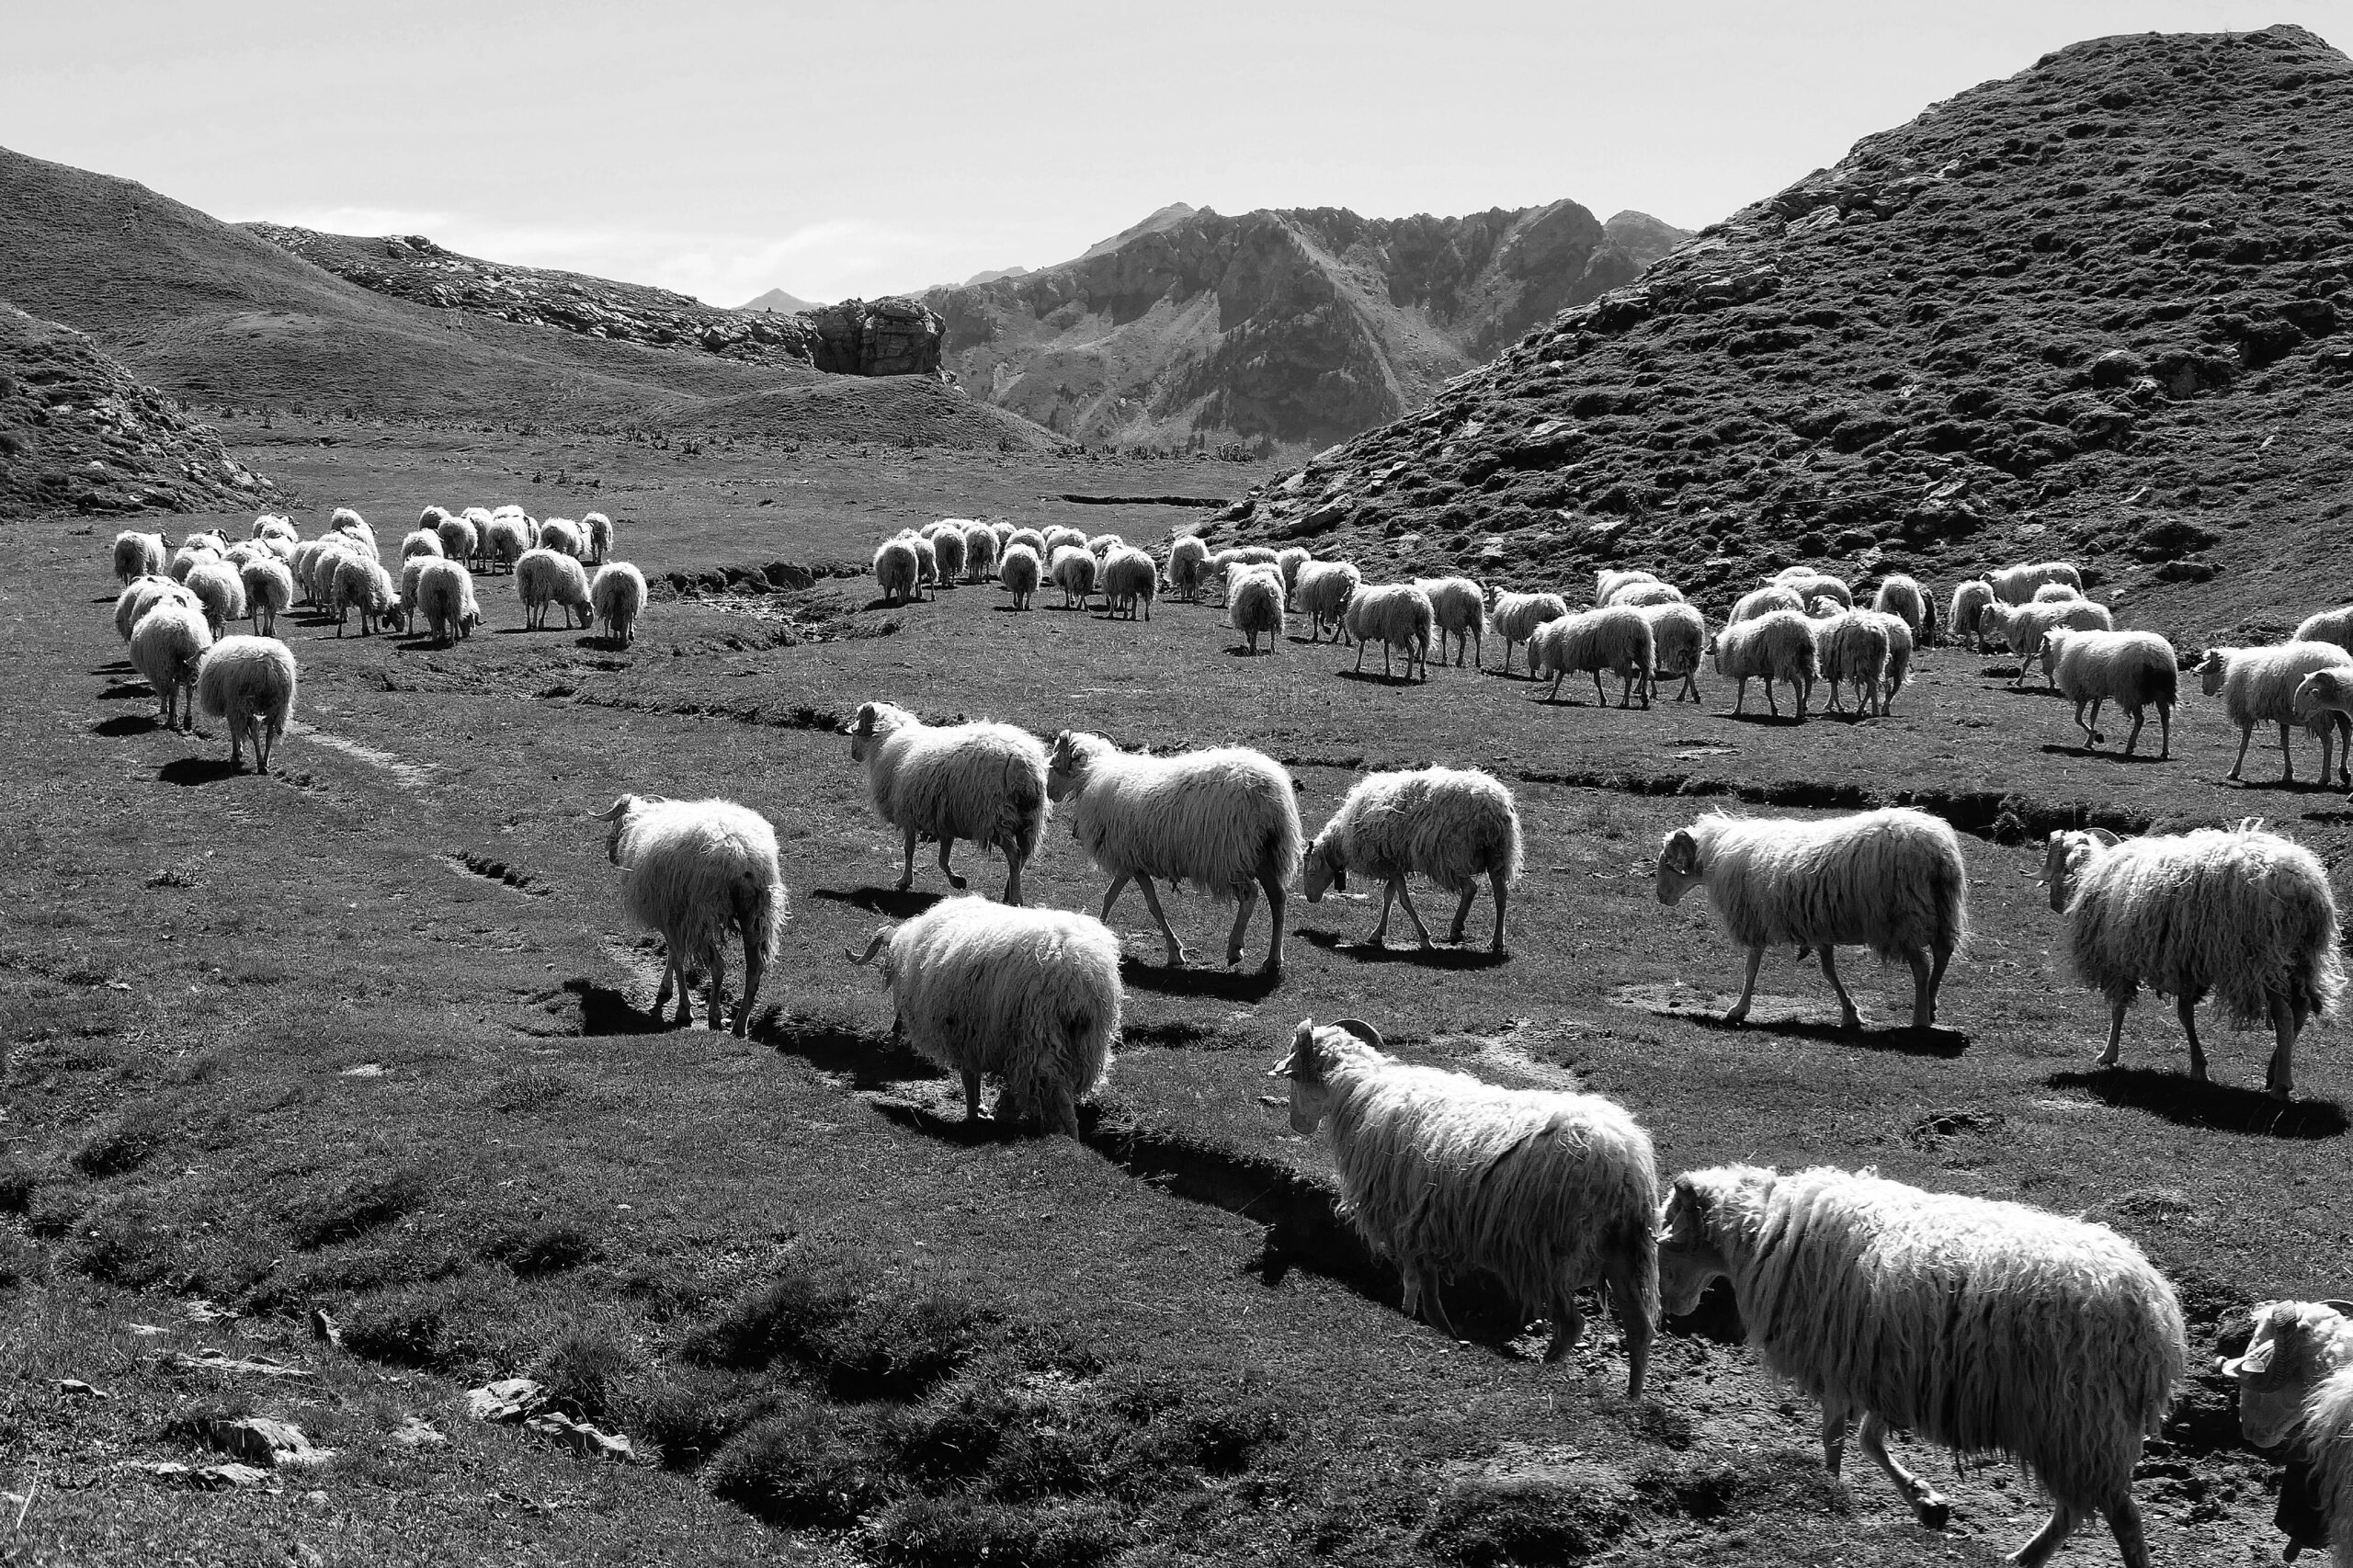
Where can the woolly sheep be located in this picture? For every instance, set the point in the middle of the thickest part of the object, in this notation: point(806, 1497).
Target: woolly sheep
point(1004, 532)
point(1892, 881)
point(2258, 686)
point(1764, 602)
point(562, 536)
point(221, 590)
point(145, 594)
point(166, 647)
point(212, 540)
point(2023, 626)
point(431, 517)
point(1981, 1327)
point(618, 596)
point(894, 570)
point(2054, 593)
point(138, 555)
point(982, 781)
point(1615, 638)
point(269, 589)
point(344, 521)
point(1018, 570)
point(271, 525)
point(927, 559)
point(1324, 589)
point(1220, 565)
point(1546, 1192)
point(459, 542)
point(1851, 648)
point(2240, 913)
point(2327, 626)
point(1515, 618)
point(1452, 825)
point(1679, 644)
point(1458, 608)
point(505, 540)
point(1899, 652)
point(2325, 697)
point(1775, 646)
point(1030, 537)
point(598, 530)
point(248, 681)
point(2135, 669)
point(1189, 561)
point(1129, 580)
point(980, 554)
point(698, 871)
point(412, 573)
point(362, 583)
point(2295, 1390)
point(544, 577)
point(1968, 602)
point(1289, 560)
point(1073, 573)
point(445, 602)
point(1102, 545)
point(1607, 582)
point(947, 550)
point(1397, 615)
point(1226, 821)
point(243, 550)
point(1903, 596)
point(424, 541)
point(1809, 585)
point(1058, 537)
point(2016, 585)
point(1638, 596)
point(1029, 996)
point(188, 557)
point(1255, 606)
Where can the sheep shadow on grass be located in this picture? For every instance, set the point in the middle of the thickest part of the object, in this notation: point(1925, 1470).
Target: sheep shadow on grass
point(1470, 953)
point(1776, 720)
point(124, 690)
point(123, 724)
point(2221, 1107)
point(893, 903)
point(191, 771)
point(1372, 678)
point(868, 1060)
point(1224, 985)
point(1903, 1039)
point(119, 667)
point(2101, 754)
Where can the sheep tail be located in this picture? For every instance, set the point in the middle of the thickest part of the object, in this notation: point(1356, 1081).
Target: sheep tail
point(1951, 887)
point(762, 917)
point(1633, 1240)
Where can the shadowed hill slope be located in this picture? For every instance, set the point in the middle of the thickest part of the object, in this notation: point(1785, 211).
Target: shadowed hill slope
point(2095, 310)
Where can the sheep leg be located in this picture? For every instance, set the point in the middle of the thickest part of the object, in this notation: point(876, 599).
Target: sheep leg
point(2061, 1525)
point(1388, 671)
point(686, 993)
point(1932, 1511)
point(907, 872)
point(1380, 928)
point(1690, 684)
point(1420, 1292)
point(1176, 954)
point(1937, 978)
point(1111, 895)
point(2246, 733)
point(1495, 881)
point(718, 979)
point(1405, 897)
point(2124, 1523)
point(2115, 1032)
point(1770, 701)
point(972, 1095)
point(1554, 695)
point(947, 843)
point(1747, 987)
point(1924, 1006)
point(662, 996)
point(1244, 898)
point(1462, 913)
point(1837, 1420)
point(1600, 698)
point(1360, 658)
point(2287, 756)
point(1848, 1019)
point(2165, 728)
point(1012, 875)
point(1635, 1323)
point(1568, 1326)
point(755, 963)
point(1275, 899)
point(2186, 1007)
point(1479, 659)
point(2280, 1078)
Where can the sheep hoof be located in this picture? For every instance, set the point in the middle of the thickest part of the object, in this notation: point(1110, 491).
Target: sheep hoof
point(1934, 1512)
point(1738, 1015)
point(956, 881)
point(1852, 1023)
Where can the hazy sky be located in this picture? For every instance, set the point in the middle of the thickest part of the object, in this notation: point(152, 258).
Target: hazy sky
point(725, 148)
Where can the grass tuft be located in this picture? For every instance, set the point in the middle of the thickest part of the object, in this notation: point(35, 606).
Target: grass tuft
point(356, 1207)
point(123, 1144)
point(1555, 1516)
point(17, 1186)
point(537, 1247)
point(583, 1374)
point(864, 1339)
point(808, 1465)
point(949, 1532)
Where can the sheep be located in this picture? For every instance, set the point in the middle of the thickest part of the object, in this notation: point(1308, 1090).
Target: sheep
point(1324, 589)
point(445, 602)
point(424, 541)
point(2016, 585)
point(1547, 1192)
point(544, 577)
point(598, 530)
point(431, 517)
point(1763, 602)
point(1189, 561)
point(2023, 626)
point(166, 647)
point(697, 871)
point(1515, 618)
point(221, 590)
point(1850, 647)
point(1459, 607)
point(361, 582)
point(1678, 643)
point(412, 572)
point(1226, 821)
point(982, 781)
point(927, 559)
point(505, 540)
point(138, 555)
point(1029, 996)
point(1607, 582)
point(344, 521)
point(1060, 536)
point(1255, 606)
point(562, 536)
point(324, 566)
point(269, 588)
point(249, 681)
point(1018, 570)
point(1030, 537)
point(1981, 1326)
point(271, 525)
point(2054, 593)
point(1808, 585)
point(1638, 596)
point(1290, 558)
point(144, 595)
point(894, 570)
point(1903, 596)
point(1221, 565)
point(2239, 913)
point(618, 596)
point(1892, 881)
point(1899, 652)
point(1073, 573)
point(459, 541)
point(212, 540)
point(1399, 616)
point(188, 557)
point(279, 549)
point(1102, 545)
point(2136, 669)
point(1776, 646)
point(1451, 826)
point(1615, 638)
point(947, 550)
point(1129, 580)
point(2295, 1390)
point(1968, 602)
point(2326, 697)
point(2327, 626)
point(2259, 685)
point(980, 554)
point(245, 550)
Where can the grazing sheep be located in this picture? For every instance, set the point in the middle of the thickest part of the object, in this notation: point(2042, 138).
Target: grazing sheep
point(1605, 583)
point(431, 517)
point(145, 594)
point(2135, 669)
point(947, 550)
point(927, 559)
point(188, 557)
point(271, 525)
point(1102, 545)
point(1763, 602)
point(1899, 654)
point(459, 539)
point(344, 521)
point(2258, 686)
point(1073, 573)
point(1981, 1327)
point(505, 540)
point(2054, 593)
point(2327, 626)
point(1547, 1192)
point(562, 536)
point(2326, 697)
point(305, 567)
point(1451, 826)
point(1515, 618)
point(1324, 589)
point(618, 596)
point(980, 554)
point(1904, 598)
point(249, 681)
point(895, 570)
point(445, 602)
point(212, 540)
point(599, 530)
point(245, 550)
point(1775, 646)
point(1059, 537)
point(2295, 1389)
point(412, 573)
point(696, 872)
point(1809, 584)
point(1129, 580)
point(1031, 997)
point(1289, 560)
point(1397, 615)
point(424, 541)
point(1255, 606)
point(139, 555)
point(1968, 602)
point(1850, 647)
point(1030, 537)
point(982, 781)
point(1226, 821)
point(1640, 595)
point(2239, 913)
point(2023, 626)
point(1458, 608)
point(166, 647)
point(1189, 561)
point(269, 589)
point(2016, 585)
point(1617, 637)
point(1678, 643)
point(362, 583)
point(1892, 881)
point(221, 590)
point(1004, 532)
point(1019, 572)
point(544, 577)
point(1221, 565)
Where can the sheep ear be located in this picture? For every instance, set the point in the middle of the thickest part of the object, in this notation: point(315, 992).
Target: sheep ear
point(1302, 1052)
point(2105, 836)
point(1363, 1031)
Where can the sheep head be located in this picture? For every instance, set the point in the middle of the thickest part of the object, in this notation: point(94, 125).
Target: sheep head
point(2214, 669)
point(2321, 688)
point(874, 721)
point(2065, 856)
point(1309, 1063)
point(1067, 762)
point(1690, 1255)
point(619, 815)
point(2296, 1345)
point(1678, 865)
point(1324, 870)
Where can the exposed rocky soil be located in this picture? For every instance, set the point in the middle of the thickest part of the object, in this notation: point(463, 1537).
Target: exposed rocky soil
point(1303, 325)
point(2095, 310)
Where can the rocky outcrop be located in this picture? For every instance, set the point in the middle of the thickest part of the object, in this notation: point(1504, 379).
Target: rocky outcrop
point(875, 337)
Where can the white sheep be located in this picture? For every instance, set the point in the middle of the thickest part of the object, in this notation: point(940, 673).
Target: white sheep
point(1030, 537)
point(1452, 825)
point(2136, 670)
point(545, 577)
point(145, 594)
point(2239, 914)
point(248, 681)
point(269, 590)
point(1130, 579)
point(1763, 602)
point(1255, 606)
point(362, 583)
point(214, 540)
point(1809, 584)
point(1397, 615)
point(696, 872)
point(2295, 1390)
point(188, 557)
point(345, 521)
point(598, 531)
point(1892, 881)
point(980, 554)
point(2016, 585)
point(895, 570)
point(505, 540)
point(1899, 652)
point(1641, 595)
point(1679, 644)
point(2055, 594)
point(461, 541)
point(1515, 618)
point(1018, 570)
point(1226, 821)
point(947, 550)
point(139, 555)
point(327, 565)
point(562, 536)
point(1851, 648)
point(1189, 561)
point(412, 573)
point(166, 645)
point(1968, 602)
point(1458, 608)
point(2325, 626)
point(1029, 996)
point(1057, 537)
point(927, 559)
point(618, 596)
point(1324, 589)
point(221, 590)
point(1544, 1191)
point(246, 549)
point(1290, 558)
point(1775, 646)
point(1073, 570)
point(1607, 582)
point(431, 517)
point(1617, 639)
point(2258, 686)
point(423, 542)
point(271, 525)
point(1102, 545)
point(1981, 1327)
point(2023, 626)
point(984, 782)
point(1903, 596)
point(445, 602)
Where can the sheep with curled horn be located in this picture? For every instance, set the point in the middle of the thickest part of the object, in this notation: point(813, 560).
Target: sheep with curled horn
point(697, 872)
point(1548, 1193)
point(2295, 1390)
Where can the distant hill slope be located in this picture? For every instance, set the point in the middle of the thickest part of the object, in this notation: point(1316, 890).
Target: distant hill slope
point(78, 433)
point(1303, 325)
point(2100, 308)
point(776, 299)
